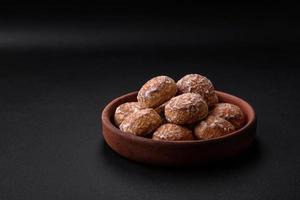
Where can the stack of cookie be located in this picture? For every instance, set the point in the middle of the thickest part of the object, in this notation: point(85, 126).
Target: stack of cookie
point(186, 110)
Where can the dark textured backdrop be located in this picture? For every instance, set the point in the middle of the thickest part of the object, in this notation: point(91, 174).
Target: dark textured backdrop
point(60, 65)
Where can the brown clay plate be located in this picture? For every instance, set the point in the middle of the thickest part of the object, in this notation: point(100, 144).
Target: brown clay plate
point(178, 153)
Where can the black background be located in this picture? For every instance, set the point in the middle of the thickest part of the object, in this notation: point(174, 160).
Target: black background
point(60, 64)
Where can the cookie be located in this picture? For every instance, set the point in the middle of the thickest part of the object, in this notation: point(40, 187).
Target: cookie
point(196, 83)
point(124, 110)
point(213, 127)
point(141, 122)
point(156, 91)
point(172, 132)
point(231, 113)
point(186, 109)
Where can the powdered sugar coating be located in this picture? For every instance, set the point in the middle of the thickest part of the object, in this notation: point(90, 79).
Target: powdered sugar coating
point(141, 122)
point(213, 127)
point(199, 84)
point(156, 91)
point(124, 110)
point(186, 109)
point(172, 132)
point(231, 113)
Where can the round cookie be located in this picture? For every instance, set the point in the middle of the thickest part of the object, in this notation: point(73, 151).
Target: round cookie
point(199, 84)
point(186, 109)
point(231, 113)
point(124, 110)
point(172, 132)
point(213, 127)
point(141, 122)
point(156, 91)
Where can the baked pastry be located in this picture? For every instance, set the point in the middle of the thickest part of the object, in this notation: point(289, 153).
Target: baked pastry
point(172, 132)
point(213, 127)
point(141, 122)
point(231, 113)
point(156, 91)
point(199, 84)
point(124, 110)
point(186, 109)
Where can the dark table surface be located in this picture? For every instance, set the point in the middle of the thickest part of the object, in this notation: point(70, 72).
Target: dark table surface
point(51, 144)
